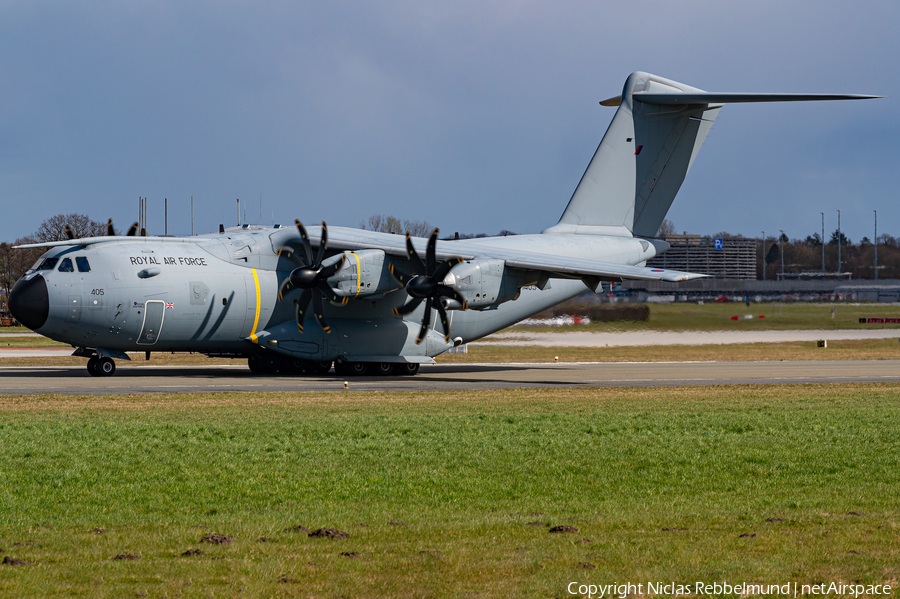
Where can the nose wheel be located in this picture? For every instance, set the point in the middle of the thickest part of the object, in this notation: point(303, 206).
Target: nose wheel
point(101, 366)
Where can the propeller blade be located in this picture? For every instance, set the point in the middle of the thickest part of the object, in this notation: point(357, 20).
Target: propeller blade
point(323, 245)
point(327, 292)
point(430, 262)
point(110, 230)
point(290, 254)
point(444, 322)
point(441, 273)
point(407, 308)
point(133, 230)
point(69, 232)
point(418, 267)
point(401, 278)
point(283, 288)
point(305, 238)
point(319, 309)
point(447, 291)
point(426, 320)
point(301, 305)
point(331, 269)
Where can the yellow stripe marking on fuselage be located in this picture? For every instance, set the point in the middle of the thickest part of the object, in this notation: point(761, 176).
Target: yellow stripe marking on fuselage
point(253, 336)
point(358, 274)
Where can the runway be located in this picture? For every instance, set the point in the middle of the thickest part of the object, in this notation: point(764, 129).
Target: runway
point(647, 338)
point(20, 380)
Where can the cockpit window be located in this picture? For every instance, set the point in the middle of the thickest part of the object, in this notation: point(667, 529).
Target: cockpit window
point(66, 265)
point(48, 264)
point(83, 265)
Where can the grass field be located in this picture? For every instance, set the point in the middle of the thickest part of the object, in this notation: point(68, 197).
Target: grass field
point(445, 495)
point(716, 316)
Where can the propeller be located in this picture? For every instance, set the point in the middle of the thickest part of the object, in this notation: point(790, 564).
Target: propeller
point(110, 230)
point(69, 232)
point(310, 276)
point(427, 285)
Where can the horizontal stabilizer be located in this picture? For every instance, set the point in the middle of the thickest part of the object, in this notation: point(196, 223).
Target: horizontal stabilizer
point(735, 97)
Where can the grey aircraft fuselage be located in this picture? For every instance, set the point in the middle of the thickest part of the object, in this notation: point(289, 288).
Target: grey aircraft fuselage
point(217, 294)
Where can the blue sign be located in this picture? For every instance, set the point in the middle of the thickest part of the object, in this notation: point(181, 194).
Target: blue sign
point(718, 243)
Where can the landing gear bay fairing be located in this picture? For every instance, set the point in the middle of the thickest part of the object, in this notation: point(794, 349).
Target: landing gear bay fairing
point(293, 299)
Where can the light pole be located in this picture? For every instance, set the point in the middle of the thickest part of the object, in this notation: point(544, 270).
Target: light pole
point(781, 242)
point(875, 243)
point(839, 245)
point(764, 255)
point(823, 244)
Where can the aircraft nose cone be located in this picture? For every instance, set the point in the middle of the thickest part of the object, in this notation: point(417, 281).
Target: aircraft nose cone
point(29, 302)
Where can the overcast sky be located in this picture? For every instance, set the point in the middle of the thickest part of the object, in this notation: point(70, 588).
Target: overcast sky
point(474, 116)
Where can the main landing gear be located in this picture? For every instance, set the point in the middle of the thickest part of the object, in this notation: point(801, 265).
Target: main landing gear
point(101, 366)
point(273, 363)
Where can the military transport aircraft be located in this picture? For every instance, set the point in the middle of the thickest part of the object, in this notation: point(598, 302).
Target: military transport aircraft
point(246, 292)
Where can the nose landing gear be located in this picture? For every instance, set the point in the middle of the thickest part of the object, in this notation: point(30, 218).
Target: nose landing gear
point(101, 366)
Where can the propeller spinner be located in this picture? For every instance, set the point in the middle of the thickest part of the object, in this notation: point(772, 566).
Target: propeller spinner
point(311, 276)
point(427, 284)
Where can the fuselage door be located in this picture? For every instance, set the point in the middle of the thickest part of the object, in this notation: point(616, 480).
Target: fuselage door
point(154, 311)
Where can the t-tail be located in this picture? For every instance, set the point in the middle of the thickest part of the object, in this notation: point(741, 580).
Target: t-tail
point(646, 153)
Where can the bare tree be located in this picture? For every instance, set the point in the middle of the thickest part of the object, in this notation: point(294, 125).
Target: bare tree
point(666, 228)
point(54, 228)
point(392, 224)
point(14, 263)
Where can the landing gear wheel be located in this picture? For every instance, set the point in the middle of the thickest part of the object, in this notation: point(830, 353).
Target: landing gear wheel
point(321, 367)
point(357, 368)
point(288, 365)
point(261, 364)
point(407, 368)
point(105, 367)
point(383, 368)
point(92, 367)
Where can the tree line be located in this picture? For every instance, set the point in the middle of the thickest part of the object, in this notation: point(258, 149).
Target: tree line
point(805, 255)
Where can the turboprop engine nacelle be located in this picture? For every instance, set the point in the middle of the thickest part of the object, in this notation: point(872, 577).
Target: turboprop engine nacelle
point(484, 283)
point(363, 274)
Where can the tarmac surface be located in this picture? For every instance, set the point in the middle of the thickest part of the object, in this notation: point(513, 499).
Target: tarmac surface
point(19, 380)
point(571, 338)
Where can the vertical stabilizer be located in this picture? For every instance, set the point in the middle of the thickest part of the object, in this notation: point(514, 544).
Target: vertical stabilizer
point(641, 162)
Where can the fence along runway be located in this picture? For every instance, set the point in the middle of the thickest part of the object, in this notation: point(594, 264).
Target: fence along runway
point(26, 380)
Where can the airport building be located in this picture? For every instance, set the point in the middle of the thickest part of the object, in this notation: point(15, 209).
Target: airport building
point(728, 258)
point(821, 290)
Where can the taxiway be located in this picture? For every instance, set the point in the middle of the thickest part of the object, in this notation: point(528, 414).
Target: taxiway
point(20, 380)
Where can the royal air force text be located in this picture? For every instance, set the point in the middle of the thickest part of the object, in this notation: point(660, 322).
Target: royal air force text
point(168, 260)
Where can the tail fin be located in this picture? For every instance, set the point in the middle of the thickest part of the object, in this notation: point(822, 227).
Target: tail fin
point(646, 153)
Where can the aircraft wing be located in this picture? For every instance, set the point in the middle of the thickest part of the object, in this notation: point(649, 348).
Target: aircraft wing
point(580, 267)
point(86, 241)
point(557, 265)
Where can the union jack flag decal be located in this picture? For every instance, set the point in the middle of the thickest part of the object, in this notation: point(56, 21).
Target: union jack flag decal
point(169, 306)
